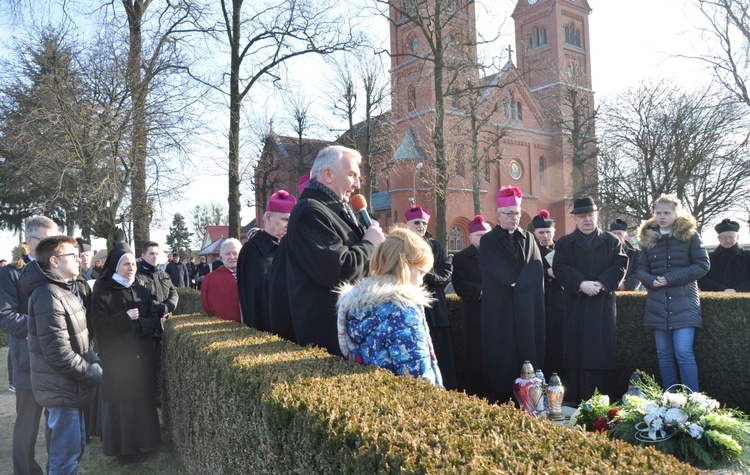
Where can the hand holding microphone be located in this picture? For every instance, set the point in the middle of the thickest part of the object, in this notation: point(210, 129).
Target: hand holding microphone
point(373, 234)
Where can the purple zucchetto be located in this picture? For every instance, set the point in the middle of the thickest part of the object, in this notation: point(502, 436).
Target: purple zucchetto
point(281, 202)
point(416, 212)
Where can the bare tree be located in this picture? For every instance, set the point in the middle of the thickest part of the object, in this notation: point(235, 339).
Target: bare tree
point(729, 22)
point(660, 140)
point(448, 60)
point(212, 214)
point(360, 93)
point(578, 124)
point(261, 39)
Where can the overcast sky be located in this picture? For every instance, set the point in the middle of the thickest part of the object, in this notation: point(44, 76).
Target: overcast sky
point(630, 42)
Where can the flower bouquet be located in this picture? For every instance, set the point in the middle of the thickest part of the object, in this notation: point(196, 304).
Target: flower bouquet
point(689, 425)
point(596, 414)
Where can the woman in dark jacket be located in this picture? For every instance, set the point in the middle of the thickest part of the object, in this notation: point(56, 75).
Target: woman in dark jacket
point(673, 258)
point(125, 318)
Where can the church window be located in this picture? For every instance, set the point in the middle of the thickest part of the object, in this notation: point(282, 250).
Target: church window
point(542, 172)
point(536, 37)
point(543, 37)
point(577, 38)
point(414, 43)
point(455, 239)
point(572, 35)
point(567, 35)
point(460, 167)
point(529, 42)
point(412, 99)
point(506, 110)
point(518, 111)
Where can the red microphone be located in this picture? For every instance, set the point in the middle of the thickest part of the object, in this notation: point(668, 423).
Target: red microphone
point(359, 205)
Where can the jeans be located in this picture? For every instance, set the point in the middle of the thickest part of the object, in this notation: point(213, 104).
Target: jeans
point(675, 348)
point(67, 440)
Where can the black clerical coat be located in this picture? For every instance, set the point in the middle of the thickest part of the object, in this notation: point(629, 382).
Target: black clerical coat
point(589, 324)
point(467, 282)
point(730, 269)
point(554, 308)
point(277, 297)
point(253, 265)
point(512, 316)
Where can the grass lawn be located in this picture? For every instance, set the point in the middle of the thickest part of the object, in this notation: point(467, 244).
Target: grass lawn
point(161, 462)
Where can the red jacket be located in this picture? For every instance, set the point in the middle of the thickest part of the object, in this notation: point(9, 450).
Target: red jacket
point(219, 295)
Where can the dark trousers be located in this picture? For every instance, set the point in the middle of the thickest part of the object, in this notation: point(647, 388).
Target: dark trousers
point(441, 343)
point(10, 369)
point(581, 383)
point(25, 431)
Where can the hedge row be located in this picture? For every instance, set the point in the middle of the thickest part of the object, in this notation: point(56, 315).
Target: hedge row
point(722, 347)
point(242, 401)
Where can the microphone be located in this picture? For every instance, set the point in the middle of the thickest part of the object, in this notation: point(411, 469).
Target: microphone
point(359, 205)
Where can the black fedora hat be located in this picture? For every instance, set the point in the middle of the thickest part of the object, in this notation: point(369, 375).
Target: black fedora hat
point(583, 205)
point(618, 225)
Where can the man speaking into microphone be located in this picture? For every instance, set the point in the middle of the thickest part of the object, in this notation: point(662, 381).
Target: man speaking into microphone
point(326, 246)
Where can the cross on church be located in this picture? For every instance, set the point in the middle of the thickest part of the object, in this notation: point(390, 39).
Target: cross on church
point(510, 54)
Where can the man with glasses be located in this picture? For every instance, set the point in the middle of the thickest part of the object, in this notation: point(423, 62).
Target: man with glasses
point(590, 264)
point(14, 320)
point(64, 368)
point(730, 264)
point(512, 310)
point(435, 281)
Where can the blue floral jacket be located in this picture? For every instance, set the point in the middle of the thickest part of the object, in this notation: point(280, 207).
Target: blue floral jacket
point(381, 322)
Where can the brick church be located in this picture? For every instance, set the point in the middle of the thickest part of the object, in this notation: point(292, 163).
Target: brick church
point(534, 116)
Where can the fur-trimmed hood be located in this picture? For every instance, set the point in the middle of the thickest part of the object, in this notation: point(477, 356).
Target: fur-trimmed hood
point(684, 229)
point(378, 290)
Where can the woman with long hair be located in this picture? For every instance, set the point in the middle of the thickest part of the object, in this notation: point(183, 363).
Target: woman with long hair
point(381, 320)
point(125, 318)
point(672, 259)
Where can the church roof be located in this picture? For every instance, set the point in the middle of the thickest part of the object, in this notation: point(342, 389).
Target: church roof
point(289, 146)
point(409, 148)
point(381, 201)
point(380, 131)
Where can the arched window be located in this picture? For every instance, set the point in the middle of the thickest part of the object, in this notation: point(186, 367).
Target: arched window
point(506, 110)
point(577, 40)
point(542, 172)
point(543, 38)
point(529, 42)
point(412, 99)
point(518, 111)
point(460, 168)
point(455, 239)
point(536, 37)
point(567, 35)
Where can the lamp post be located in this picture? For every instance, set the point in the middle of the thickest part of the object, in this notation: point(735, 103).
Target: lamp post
point(414, 184)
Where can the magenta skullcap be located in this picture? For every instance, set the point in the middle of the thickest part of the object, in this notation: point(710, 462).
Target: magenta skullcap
point(478, 224)
point(302, 183)
point(508, 196)
point(416, 212)
point(281, 202)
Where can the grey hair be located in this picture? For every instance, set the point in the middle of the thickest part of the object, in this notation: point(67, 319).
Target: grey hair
point(228, 242)
point(330, 157)
point(36, 223)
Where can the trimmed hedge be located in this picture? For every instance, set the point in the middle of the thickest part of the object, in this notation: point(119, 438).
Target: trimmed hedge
point(242, 401)
point(722, 347)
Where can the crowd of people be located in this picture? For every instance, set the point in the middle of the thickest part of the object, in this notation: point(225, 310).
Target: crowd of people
point(85, 340)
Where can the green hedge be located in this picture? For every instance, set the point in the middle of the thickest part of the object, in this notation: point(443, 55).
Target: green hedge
point(722, 347)
point(242, 401)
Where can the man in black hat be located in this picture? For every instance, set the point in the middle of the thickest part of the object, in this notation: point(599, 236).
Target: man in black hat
point(554, 299)
point(589, 263)
point(730, 264)
point(619, 228)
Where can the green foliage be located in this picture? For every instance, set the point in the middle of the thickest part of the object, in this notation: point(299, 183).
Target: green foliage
point(178, 238)
point(242, 401)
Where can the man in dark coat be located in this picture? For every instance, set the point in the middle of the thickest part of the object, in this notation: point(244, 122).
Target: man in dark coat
point(201, 271)
point(256, 257)
point(544, 232)
point(467, 282)
point(435, 281)
point(512, 315)
point(14, 321)
point(326, 246)
point(589, 263)
point(163, 294)
point(730, 264)
point(178, 272)
point(619, 228)
point(64, 368)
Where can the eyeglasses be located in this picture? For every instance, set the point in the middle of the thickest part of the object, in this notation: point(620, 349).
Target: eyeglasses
point(417, 222)
point(512, 214)
point(36, 237)
point(75, 256)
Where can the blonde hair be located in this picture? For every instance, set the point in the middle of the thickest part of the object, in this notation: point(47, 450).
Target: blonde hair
point(401, 250)
point(671, 200)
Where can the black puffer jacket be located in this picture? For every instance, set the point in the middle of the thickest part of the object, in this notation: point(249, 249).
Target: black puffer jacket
point(680, 257)
point(61, 358)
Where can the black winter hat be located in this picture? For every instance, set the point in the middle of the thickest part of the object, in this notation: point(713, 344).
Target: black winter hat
point(727, 225)
point(618, 225)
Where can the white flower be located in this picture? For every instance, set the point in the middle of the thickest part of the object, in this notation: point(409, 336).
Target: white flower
point(677, 400)
point(695, 430)
point(675, 416)
point(703, 402)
